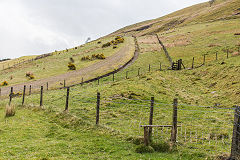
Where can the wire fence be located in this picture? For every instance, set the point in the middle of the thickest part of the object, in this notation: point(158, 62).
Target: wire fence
point(209, 129)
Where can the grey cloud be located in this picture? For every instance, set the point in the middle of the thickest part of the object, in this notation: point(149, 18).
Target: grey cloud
point(35, 27)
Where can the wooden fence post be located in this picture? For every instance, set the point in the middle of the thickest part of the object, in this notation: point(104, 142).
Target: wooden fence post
point(216, 55)
point(227, 53)
point(67, 99)
point(30, 89)
point(41, 96)
point(113, 77)
point(193, 63)
point(64, 83)
point(10, 96)
point(127, 75)
point(138, 71)
point(174, 123)
point(0, 92)
point(146, 136)
point(24, 91)
point(47, 86)
point(151, 118)
point(97, 108)
point(204, 59)
point(149, 68)
point(235, 149)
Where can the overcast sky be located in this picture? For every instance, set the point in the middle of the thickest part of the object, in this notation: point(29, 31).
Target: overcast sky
point(30, 27)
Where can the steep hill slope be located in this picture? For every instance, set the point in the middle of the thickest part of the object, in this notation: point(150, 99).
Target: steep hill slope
point(200, 13)
point(207, 94)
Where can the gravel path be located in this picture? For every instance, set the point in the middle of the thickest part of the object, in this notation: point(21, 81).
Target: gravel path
point(73, 77)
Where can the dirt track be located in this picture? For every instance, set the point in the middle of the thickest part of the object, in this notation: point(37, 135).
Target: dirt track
point(72, 77)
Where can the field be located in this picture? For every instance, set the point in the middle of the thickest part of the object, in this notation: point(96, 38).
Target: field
point(207, 96)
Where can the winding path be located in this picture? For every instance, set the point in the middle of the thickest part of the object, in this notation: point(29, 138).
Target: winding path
point(107, 66)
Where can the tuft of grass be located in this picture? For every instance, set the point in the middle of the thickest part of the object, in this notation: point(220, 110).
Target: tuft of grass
point(10, 111)
point(160, 146)
point(144, 149)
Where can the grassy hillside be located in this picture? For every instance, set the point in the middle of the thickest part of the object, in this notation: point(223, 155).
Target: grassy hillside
point(206, 97)
point(200, 13)
point(57, 64)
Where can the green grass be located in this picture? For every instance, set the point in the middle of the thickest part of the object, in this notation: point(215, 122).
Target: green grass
point(205, 132)
point(189, 86)
point(39, 134)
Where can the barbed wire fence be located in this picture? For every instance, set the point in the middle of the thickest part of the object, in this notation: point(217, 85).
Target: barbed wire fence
point(211, 129)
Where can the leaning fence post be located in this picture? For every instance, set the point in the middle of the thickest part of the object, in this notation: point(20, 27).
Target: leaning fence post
point(151, 118)
point(235, 149)
point(174, 123)
point(10, 96)
point(67, 99)
point(24, 91)
point(149, 68)
point(97, 108)
point(193, 63)
point(204, 59)
point(41, 96)
point(30, 89)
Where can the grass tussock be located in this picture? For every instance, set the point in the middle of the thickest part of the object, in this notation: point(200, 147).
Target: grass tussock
point(10, 111)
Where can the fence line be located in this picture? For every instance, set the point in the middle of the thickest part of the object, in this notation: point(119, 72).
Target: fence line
point(186, 127)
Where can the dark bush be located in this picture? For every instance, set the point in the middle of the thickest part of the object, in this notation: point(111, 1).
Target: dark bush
point(30, 75)
point(106, 45)
point(71, 66)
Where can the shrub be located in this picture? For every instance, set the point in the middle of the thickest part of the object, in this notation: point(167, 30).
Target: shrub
point(16, 94)
point(4, 83)
point(10, 111)
point(161, 147)
point(114, 47)
point(119, 39)
point(85, 58)
point(76, 47)
point(144, 149)
point(71, 66)
point(99, 42)
point(94, 56)
point(30, 75)
point(106, 45)
point(100, 56)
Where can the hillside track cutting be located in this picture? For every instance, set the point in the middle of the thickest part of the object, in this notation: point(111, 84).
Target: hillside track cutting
point(105, 67)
